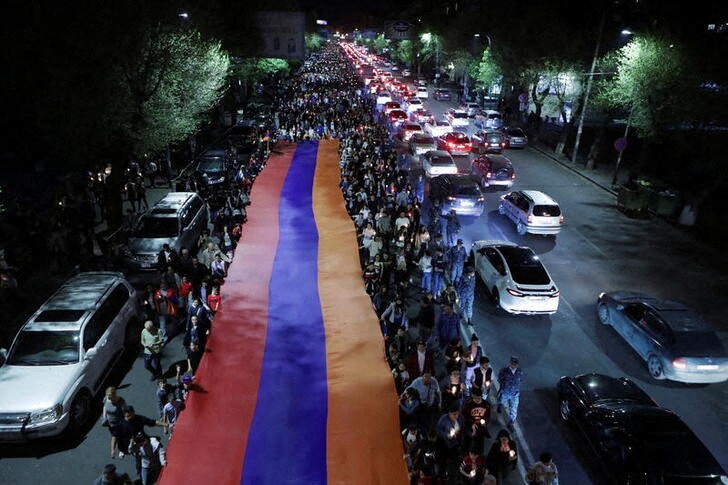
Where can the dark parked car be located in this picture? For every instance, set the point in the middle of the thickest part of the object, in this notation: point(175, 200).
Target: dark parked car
point(515, 138)
point(488, 142)
point(457, 192)
point(492, 170)
point(442, 95)
point(674, 340)
point(213, 166)
point(243, 137)
point(636, 441)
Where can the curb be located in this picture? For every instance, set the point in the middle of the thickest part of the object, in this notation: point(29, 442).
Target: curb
point(572, 169)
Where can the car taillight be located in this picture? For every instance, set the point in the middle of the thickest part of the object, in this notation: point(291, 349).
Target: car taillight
point(561, 219)
point(503, 144)
point(481, 199)
point(680, 363)
point(514, 292)
point(529, 219)
point(488, 175)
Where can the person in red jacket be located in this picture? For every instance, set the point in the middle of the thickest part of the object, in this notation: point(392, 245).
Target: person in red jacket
point(214, 300)
point(165, 302)
point(185, 289)
point(419, 361)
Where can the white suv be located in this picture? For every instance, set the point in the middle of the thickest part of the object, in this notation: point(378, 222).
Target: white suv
point(61, 357)
point(532, 211)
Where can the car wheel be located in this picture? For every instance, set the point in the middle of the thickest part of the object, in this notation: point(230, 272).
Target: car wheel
point(496, 297)
point(603, 312)
point(565, 410)
point(654, 367)
point(80, 411)
point(501, 209)
point(521, 228)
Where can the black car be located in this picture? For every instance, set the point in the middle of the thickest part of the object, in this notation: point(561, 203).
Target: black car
point(442, 95)
point(213, 167)
point(493, 170)
point(457, 192)
point(243, 136)
point(636, 441)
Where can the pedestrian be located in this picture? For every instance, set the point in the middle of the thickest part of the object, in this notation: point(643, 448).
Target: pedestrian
point(439, 264)
point(395, 317)
point(149, 452)
point(457, 255)
point(509, 379)
point(430, 397)
point(419, 361)
point(472, 468)
point(113, 415)
point(214, 300)
point(450, 435)
point(466, 295)
point(448, 325)
point(476, 412)
point(132, 425)
point(110, 477)
point(152, 341)
point(543, 472)
point(164, 390)
point(453, 227)
point(482, 377)
point(165, 305)
point(503, 456)
point(425, 265)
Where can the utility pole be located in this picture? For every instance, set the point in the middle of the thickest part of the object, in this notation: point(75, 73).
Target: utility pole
point(619, 157)
point(589, 82)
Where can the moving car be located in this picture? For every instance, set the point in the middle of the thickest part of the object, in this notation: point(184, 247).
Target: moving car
point(62, 355)
point(675, 341)
point(635, 440)
point(422, 116)
point(442, 95)
point(515, 138)
point(383, 97)
point(413, 104)
point(532, 212)
point(517, 280)
point(177, 219)
point(438, 128)
point(457, 118)
point(397, 116)
point(488, 142)
point(456, 143)
point(422, 92)
point(493, 170)
point(457, 192)
point(470, 108)
point(438, 162)
point(421, 143)
point(407, 129)
point(391, 105)
point(488, 119)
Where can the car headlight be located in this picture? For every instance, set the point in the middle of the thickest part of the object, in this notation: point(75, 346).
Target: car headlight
point(47, 415)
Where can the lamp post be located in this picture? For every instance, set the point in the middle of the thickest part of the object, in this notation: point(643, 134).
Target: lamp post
point(589, 82)
point(623, 147)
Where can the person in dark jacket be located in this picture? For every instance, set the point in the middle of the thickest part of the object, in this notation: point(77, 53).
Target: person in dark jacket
point(503, 456)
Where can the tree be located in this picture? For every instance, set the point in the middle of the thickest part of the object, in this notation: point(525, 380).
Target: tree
point(313, 41)
point(486, 72)
point(380, 44)
point(404, 52)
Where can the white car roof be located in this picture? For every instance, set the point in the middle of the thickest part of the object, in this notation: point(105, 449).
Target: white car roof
point(539, 197)
point(492, 242)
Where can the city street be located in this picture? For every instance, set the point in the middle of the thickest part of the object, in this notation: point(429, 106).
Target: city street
point(599, 249)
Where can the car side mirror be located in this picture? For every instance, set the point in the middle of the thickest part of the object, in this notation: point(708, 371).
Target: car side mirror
point(3, 356)
point(91, 353)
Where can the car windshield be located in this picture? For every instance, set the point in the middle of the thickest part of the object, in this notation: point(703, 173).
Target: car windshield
point(157, 227)
point(546, 210)
point(525, 266)
point(45, 348)
point(493, 116)
point(211, 165)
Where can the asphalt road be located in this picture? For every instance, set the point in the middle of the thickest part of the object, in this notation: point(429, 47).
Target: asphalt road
point(599, 249)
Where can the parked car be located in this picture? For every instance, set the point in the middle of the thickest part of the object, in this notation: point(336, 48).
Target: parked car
point(455, 143)
point(438, 162)
point(470, 108)
point(397, 116)
point(391, 105)
point(674, 341)
point(457, 118)
point(532, 212)
point(243, 137)
point(421, 143)
point(517, 280)
point(441, 94)
point(457, 192)
point(635, 440)
point(488, 119)
point(438, 128)
point(213, 166)
point(413, 104)
point(515, 138)
point(177, 219)
point(407, 129)
point(488, 142)
point(61, 357)
point(422, 92)
point(422, 116)
point(493, 170)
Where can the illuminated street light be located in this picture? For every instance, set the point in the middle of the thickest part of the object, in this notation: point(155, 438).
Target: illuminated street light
point(627, 32)
point(184, 16)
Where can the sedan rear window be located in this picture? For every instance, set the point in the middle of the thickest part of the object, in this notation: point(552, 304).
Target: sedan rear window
point(546, 210)
point(441, 161)
point(525, 267)
point(469, 191)
point(45, 348)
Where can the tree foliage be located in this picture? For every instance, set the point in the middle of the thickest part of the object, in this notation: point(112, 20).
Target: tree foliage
point(313, 41)
point(486, 72)
point(403, 51)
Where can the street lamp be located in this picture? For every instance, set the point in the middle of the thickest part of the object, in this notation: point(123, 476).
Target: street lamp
point(184, 15)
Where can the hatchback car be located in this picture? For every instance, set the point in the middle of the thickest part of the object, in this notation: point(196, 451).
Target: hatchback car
point(493, 170)
point(675, 341)
point(62, 355)
point(407, 129)
point(422, 92)
point(421, 143)
point(515, 138)
point(438, 128)
point(442, 95)
point(635, 440)
point(456, 143)
point(458, 193)
point(458, 118)
point(391, 105)
point(517, 280)
point(438, 162)
point(532, 212)
point(488, 119)
point(488, 142)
